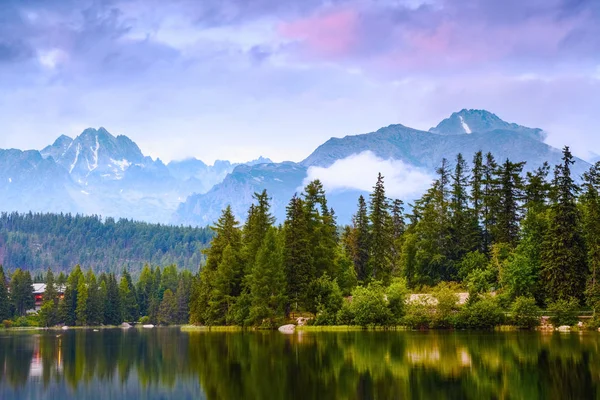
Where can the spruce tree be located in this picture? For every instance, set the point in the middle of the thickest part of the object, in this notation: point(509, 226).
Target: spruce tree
point(268, 286)
point(490, 201)
point(112, 311)
point(360, 241)
point(563, 255)
point(381, 235)
point(297, 255)
point(167, 312)
point(227, 233)
point(129, 306)
point(51, 293)
point(81, 310)
point(509, 209)
point(464, 227)
point(95, 302)
point(21, 291)
point(590, 204)
point(68, 305)
point(5, 312)
point(476, 183)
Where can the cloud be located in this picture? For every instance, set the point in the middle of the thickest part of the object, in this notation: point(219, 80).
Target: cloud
point(359, 172)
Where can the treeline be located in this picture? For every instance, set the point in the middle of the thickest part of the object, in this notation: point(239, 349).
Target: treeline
point(59, 241)
point(84, 299)
point(486, 226)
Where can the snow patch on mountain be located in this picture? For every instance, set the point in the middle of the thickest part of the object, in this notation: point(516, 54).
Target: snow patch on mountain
point(76, 158)
point(464, 124)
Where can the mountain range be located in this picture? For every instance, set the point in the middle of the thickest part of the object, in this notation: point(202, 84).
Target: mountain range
point(98, 173)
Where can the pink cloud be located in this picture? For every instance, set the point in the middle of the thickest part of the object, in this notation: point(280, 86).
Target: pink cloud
point(334, 34)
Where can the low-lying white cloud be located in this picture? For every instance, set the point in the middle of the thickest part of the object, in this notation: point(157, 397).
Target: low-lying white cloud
point(359, 172)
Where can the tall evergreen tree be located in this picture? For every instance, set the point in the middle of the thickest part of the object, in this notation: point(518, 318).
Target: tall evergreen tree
point(5, 311)
point(360, 242)
point(268, 283)
point(167, 312)
point(381, 233)
point(297, 255)
point(81, 309)
point(68, 305)
point(563, 255)
point(490, 200)
point(509, 210)
point(227, 234)
point(129, 306)
point(476, 183)
point(95, 303)
point(112, 311)
point(590, 204)
point(464, 227)
point(21, 291)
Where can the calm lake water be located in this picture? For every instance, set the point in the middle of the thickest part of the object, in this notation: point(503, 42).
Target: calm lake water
point(164, 363)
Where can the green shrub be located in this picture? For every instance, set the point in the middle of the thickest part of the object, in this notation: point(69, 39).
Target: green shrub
point(345, 315)
point(396, 295)
point(144, 320)
point(564, 312)
point(369, 305)
point(525, 313)
point(22, 321)
point(482, 314)
point(446, 306)
point(419, 314)
point(7, 323)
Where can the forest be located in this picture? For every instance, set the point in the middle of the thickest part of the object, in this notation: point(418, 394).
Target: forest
point(516, 242)
point(37, 242)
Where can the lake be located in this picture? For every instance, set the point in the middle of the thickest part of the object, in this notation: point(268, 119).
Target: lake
point(166, 363)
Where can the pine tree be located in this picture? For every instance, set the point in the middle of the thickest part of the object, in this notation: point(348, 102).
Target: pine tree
point(129, 307)
point(590, 204)
point(477, 192)
point(95, 303)
point(464, 227)
point(268, 288)
point(112, 310)
point(51, 294)
point(509, 210)
point(381, 233)
point(224, 290)
point(145, 289)
point(167, 312)
point(21, 291)
point(563, 255)
point(68, 305)
point(490, 200)
point(182, 297)
point(360, 241)
point(5, 312)
point(257, 224)
point(297, 254)
point(227, 234)
point(82, 303)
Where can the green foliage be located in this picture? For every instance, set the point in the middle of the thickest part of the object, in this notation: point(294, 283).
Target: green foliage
point(369, 305)
point(479, 282)
point(471, 261)
point(127, 296)
point(419, 314)
point(525, 313)
point(446, 306)
point(47, 314)
point(564, 311)
point(267, 285)
point(21, 289)
point(5, 311)
point(482, 314)
point(167, 312)
point(396, 295)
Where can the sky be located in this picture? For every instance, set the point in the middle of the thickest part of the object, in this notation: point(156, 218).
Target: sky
point(235, 79)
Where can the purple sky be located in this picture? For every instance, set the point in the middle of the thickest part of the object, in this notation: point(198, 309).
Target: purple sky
point(235, 79)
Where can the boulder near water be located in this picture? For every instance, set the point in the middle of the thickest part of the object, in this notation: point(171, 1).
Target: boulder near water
point(287, 329)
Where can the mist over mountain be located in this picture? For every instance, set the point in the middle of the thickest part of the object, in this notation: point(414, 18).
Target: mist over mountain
point(349, 165)
point(98, 173)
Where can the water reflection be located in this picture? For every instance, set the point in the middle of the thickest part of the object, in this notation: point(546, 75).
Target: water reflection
point(165, 363)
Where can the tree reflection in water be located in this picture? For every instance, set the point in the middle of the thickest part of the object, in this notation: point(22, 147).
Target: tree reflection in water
point(165, 362)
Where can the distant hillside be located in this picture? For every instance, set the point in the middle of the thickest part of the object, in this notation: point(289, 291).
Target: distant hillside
point(38, 241)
